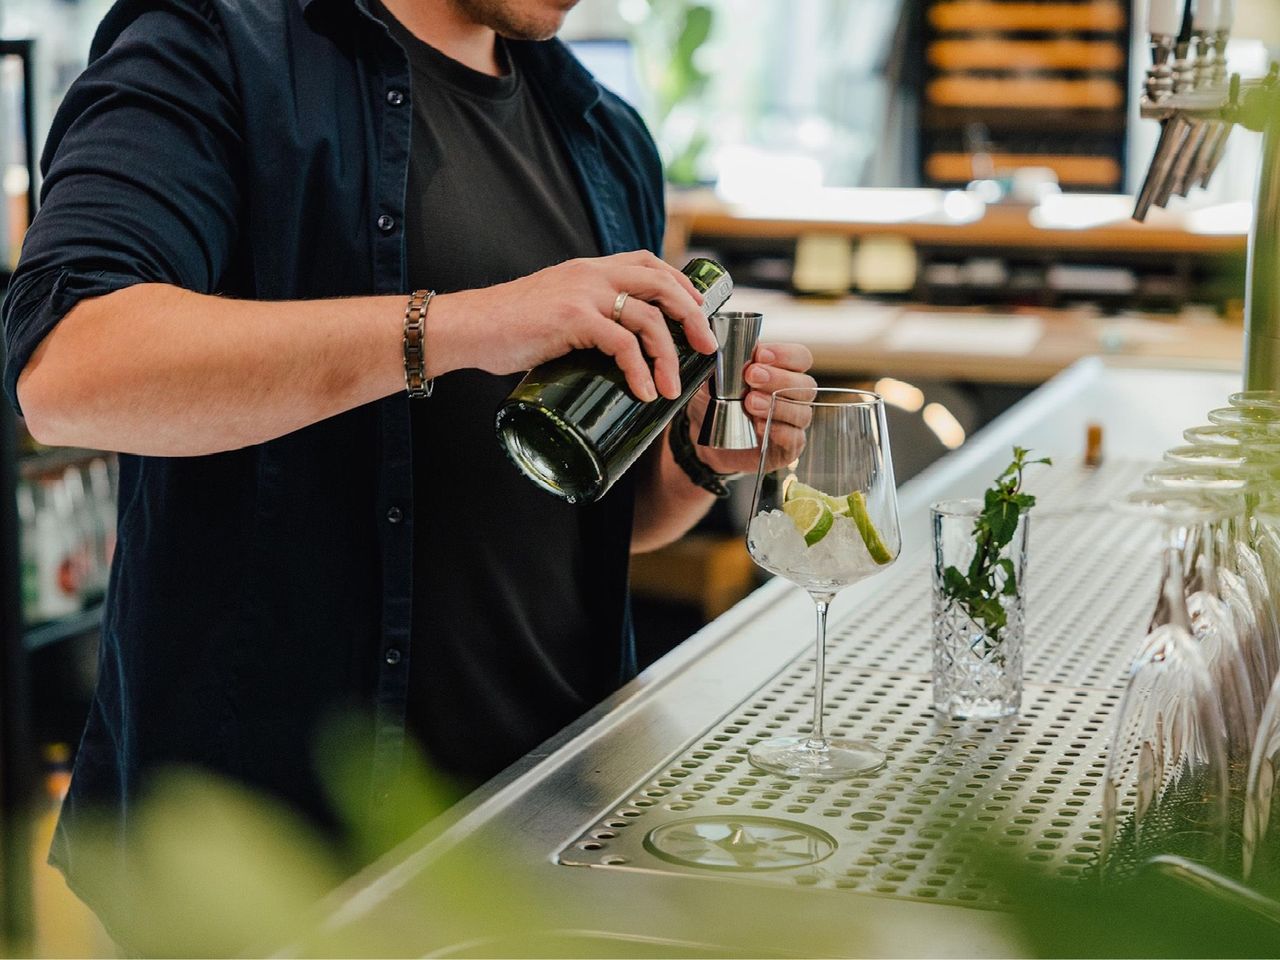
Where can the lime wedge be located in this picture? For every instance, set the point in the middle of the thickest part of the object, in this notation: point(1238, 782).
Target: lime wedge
point(795, 490)
point(811, 516)
point(870, 535)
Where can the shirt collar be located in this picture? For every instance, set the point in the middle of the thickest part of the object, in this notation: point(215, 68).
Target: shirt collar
point(556, 69)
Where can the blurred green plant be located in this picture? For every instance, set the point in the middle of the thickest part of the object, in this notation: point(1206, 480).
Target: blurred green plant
point(669, 40)
point(213, 870)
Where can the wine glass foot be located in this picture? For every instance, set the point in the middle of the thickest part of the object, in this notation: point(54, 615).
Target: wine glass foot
point(836, 760)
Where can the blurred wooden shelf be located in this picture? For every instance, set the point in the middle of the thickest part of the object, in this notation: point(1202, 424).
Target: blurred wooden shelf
point(1102, 16)
point(987, 53)
point(709, 571)
point(31, 466)
point(1001, 93)
point(702, 217)
point(1071, 171)
point(853, 337)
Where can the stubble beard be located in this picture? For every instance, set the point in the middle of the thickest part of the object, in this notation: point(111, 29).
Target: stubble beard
point(517, 19)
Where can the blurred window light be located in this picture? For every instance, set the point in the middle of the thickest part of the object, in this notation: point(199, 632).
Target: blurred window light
point(1221, 219)
point(1077, 211)
point(633, 11)
point(815, 78)
point(944, 425)
point(962, 206)
point(758, 177)
point(903, 395)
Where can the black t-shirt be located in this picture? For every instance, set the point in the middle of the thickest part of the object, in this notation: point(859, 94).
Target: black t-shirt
point(519, 598)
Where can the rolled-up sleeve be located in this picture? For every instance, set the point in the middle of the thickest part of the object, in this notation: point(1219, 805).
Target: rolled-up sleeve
point(142, 173)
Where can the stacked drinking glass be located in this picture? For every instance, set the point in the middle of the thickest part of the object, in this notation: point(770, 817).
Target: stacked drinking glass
point(1192, 763)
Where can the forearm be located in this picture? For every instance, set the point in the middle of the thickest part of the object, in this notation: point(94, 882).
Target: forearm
point(154, 369)
point(668, 503)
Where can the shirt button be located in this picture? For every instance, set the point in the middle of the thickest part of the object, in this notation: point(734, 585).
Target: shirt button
point(395, 515)
point(386, 223)
point(392, 656)
point(395, 97)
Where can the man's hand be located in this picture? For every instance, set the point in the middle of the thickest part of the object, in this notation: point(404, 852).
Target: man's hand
point(513, 326)
point(775, 366)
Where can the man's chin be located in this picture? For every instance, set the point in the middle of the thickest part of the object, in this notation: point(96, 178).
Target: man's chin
point(543, 30)
point(523, 20)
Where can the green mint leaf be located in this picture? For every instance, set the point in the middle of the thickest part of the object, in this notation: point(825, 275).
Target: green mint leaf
point(992, 576)
point(1004, 521)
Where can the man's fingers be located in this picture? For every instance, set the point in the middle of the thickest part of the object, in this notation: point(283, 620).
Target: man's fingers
point(765, 380)
point(786, 443)
point(791, 414)
point(644, 258)
point(647, 323)
point(611, 338)
point(789, 356)
point(662, 290)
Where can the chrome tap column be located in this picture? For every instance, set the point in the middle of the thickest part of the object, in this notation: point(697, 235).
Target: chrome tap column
point(1262, 296)
point(1197, 111)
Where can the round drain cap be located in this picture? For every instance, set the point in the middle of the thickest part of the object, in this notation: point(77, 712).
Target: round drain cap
point(739, 843)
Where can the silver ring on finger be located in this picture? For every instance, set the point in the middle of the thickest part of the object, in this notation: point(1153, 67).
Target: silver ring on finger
point(618, 304)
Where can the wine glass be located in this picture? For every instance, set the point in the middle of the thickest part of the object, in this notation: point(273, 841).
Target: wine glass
point(1166, 786)
point(824, 516)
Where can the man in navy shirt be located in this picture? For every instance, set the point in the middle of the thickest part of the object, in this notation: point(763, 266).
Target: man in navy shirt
point(239, 196)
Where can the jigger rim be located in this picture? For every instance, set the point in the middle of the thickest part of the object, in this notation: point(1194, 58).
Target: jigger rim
point(869, 397)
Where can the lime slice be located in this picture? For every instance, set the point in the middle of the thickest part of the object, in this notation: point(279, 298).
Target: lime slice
point(795, 490)
point(811, 516)
point(870, 535)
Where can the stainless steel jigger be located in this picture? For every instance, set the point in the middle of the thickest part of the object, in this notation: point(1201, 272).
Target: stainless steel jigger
point(727, 425)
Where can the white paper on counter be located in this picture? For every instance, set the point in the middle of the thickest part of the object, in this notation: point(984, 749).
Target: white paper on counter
point(814, 321)
point(969, 333)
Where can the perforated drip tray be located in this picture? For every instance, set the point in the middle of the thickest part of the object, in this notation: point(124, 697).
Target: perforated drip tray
point(1030, 785)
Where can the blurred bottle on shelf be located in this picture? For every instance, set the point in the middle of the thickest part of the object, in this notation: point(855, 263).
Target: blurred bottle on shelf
point(67, 537)
point(102, 505)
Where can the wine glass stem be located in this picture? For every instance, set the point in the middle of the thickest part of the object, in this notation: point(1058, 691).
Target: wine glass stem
point(817, 741)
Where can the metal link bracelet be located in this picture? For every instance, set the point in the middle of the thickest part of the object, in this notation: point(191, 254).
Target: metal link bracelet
point(415, 331)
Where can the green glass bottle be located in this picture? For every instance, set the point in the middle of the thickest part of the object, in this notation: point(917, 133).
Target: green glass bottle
point(573, 427)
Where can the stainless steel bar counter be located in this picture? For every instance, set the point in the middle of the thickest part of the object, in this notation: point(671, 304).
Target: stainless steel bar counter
point(551, 857)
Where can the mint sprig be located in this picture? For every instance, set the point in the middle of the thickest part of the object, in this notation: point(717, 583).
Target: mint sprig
point(979, 592)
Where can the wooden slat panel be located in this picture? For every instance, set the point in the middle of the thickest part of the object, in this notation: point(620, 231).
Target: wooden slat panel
point(1071, 170)
point(969, 91)
point(981, 15)
point(984, 53)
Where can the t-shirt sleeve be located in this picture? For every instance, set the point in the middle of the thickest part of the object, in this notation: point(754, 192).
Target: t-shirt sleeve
point(142, 172)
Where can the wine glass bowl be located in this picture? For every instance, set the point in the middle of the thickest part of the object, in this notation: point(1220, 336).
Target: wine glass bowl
point(824, 516)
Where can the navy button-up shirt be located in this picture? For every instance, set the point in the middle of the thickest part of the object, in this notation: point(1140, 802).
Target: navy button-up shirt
point(259, 149)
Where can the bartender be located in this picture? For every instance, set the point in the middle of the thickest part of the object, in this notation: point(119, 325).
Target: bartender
point(238, 200)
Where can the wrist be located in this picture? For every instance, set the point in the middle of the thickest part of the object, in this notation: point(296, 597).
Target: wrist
point(685, 454)
point(445, 348)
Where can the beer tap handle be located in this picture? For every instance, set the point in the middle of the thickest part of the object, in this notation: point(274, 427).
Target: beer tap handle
point(1204, 24)
point(1187, 24)
point(1227, 15)
point(1184, 68)
point(1204, 20)
point(1164, 18)
point(1221, 37)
